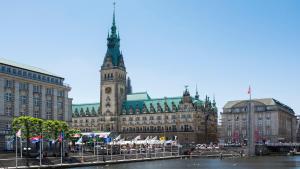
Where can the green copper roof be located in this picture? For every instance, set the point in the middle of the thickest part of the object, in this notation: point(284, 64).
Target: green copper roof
point(138, 96)
point(27, 67)
point(152, 104)
point(138, 102)
point(90, 109)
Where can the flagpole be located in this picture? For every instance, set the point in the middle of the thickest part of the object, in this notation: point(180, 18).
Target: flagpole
point(21, 146)
point(16, 151)
point(250, 127)
point(41, 149)
point(61, 148)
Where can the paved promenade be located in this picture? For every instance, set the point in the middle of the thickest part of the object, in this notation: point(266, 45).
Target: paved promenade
point(9, 161)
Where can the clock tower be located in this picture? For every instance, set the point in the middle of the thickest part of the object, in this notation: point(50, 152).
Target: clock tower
point(113, 81)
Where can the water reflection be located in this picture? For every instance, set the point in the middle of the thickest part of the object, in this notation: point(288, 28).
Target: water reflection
point(197, 163)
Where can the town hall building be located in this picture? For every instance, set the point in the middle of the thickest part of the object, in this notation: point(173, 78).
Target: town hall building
point(186, 117)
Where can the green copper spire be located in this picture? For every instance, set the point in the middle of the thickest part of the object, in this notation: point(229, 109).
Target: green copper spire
point(114, 20)
point(113, 27)
point(113, 55)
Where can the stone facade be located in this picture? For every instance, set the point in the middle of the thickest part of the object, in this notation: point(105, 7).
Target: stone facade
point(186, 118)
point(274, 122)
point(26, 90)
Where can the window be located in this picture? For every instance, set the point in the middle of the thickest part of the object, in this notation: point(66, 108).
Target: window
point(23, 99)
point(36, 101)
point(158, 118)
point(8, 111)
point(49, 115)
point(60, 105)
point(8, 83)
point(229, 133)
point(260, 108)
point(259, 123)
point(3, 68)
point(24, 73)
point(174, 127)
point(49, 91)
point(8, 70)
point(49, 103)
point(8, 126)
point(36, 89)
point(8, 97)
point(268, 123)
point(60, 93)
point(36, 114)
point(23, 86)
point(151, 118)
point(260, 116)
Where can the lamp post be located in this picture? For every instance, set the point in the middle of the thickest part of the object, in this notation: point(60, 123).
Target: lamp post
point(166, 105)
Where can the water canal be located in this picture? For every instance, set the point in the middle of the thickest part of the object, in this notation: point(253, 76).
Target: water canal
point(268, 162)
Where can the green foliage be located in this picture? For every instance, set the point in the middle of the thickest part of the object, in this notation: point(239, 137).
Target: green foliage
point(71, 133)
point(52, 128)
point(31, 127)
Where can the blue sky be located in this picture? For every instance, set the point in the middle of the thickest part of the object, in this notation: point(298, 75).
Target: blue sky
point(221, 45)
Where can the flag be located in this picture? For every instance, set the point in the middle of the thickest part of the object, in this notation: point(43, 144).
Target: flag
point(249, 90)
point(61, 136)
point(76, 135)
point(107, 140)
point(103, 135)
point(79, 141)
point(35, 139)
point(18, 134)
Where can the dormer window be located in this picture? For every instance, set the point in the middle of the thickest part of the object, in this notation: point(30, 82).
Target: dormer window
point(159, 108)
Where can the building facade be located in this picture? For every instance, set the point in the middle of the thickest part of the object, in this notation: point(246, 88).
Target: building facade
point(187, 118)
point(30, 91)
point(274, 121)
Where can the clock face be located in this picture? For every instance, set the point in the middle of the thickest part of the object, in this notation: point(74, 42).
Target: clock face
point(107, 90)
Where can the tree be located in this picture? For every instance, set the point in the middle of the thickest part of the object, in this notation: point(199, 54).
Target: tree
point(53, 128)
point(30, 126)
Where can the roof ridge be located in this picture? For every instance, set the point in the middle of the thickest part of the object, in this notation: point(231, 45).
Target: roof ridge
point(138, 93)
point(85, 104)
point(27, 67)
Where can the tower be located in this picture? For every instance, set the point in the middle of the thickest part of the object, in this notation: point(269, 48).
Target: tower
point(128, 86)
point(113, 80)
point(197, 94)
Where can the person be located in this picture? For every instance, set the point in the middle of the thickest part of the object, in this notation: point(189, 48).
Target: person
point(221, 156)
point(104, 158)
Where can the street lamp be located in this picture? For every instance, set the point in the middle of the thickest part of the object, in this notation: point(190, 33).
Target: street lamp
point(166, 105)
